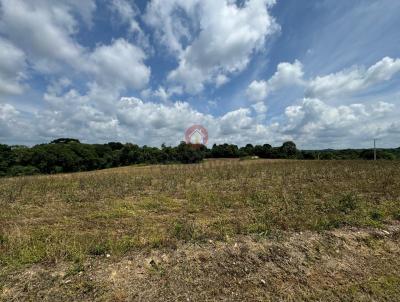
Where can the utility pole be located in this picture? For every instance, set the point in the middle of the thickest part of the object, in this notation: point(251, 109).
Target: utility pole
point(375, 148)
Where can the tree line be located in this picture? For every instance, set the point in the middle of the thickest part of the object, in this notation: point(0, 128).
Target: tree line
point(70, 155)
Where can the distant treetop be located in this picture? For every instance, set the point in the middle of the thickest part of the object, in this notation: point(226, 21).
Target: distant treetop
point(65, 141)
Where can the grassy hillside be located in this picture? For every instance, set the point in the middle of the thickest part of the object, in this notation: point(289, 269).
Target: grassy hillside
point(221, 230)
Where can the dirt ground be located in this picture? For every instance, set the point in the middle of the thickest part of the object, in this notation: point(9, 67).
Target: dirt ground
point(349, 264)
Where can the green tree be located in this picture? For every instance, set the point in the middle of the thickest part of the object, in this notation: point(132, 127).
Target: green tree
point(288, 149)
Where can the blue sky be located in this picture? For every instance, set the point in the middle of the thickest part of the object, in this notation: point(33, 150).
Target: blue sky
point(325, 74)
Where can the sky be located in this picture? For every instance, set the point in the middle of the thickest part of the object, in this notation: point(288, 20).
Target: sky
point(324, 74)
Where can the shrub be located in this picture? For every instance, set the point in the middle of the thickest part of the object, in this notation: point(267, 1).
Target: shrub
point(347, 203)
point(376, 215)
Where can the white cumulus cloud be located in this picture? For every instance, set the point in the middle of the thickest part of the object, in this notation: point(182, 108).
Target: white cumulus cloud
point(287, 74)
point(120, 63)
point(354, 80)
point(211, 39)
point(317, 123)
point(12, 68)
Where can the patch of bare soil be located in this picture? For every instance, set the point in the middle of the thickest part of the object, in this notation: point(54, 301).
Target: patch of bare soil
point(341, 265)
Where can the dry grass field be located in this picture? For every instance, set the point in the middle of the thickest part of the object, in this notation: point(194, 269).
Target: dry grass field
point(224, 230)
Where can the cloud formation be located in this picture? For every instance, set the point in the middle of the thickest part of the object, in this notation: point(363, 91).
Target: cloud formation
point(287, 74)
point(128, 72)
point(353, 80)
point(52, 48)
point(311, 123)
point(48, 42)
point(211, 39)
point(315, 121)
point(12, 68)
point(120, 63)
point(343, 83)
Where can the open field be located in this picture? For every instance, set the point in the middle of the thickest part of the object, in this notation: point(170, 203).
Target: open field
point(224, 230)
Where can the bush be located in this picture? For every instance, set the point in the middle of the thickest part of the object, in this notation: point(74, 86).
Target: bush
point(21, 170)
point(376, 215)
point(347, 203)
